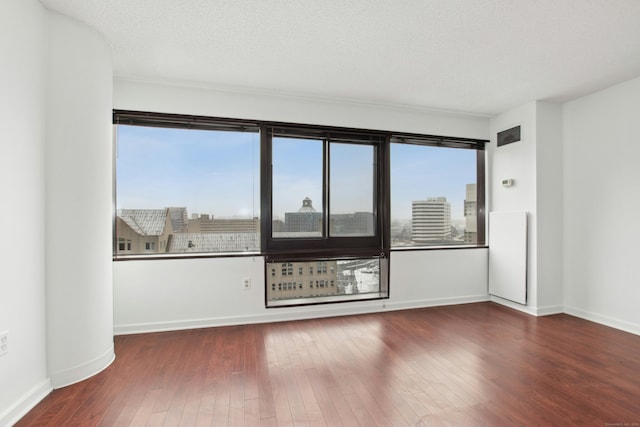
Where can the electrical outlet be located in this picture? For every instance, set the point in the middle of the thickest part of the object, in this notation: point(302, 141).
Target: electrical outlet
point(4, 343)
point(246, 284)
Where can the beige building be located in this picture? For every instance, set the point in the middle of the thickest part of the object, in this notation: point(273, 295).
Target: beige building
point(143, 231)
point(205, 223)
point(301, 279)
point(151, 231)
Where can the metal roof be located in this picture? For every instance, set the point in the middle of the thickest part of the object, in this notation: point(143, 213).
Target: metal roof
point(214, 242)
point(146, 222)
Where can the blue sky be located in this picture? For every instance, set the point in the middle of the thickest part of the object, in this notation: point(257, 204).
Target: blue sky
point(419, 172)
point(217, 173)
point(213, 172)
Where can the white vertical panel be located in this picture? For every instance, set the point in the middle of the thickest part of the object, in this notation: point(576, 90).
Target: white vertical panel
point(508, 255)
point(78, 197)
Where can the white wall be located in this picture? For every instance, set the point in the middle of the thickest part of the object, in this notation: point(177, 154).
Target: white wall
point(162, 98)
point(549, 208)
point(601, 206)
point(180, 294)
point(535, 164)
point(55, 174)
point(78, 221)
point(23, 376)
point(175, 294)
point(516, 161)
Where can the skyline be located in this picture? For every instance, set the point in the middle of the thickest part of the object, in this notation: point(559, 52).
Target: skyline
point(218, 173)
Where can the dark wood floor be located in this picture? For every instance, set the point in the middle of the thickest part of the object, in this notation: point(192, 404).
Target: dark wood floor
point(476, 364)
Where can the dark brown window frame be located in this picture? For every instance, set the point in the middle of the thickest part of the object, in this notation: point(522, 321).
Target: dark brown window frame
point(349, 246)
point(458, 143)
point(326, 245)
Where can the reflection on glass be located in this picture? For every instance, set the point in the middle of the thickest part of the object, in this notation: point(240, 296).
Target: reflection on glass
point(322, 278)
point(352, 194)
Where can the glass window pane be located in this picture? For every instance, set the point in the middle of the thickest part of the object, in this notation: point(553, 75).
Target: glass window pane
point(320, 279)
point(433, 196)
point(351, 194)
point(187, 191)
point(297, 187)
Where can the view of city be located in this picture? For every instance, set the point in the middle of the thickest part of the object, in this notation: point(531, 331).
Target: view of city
point(193, 191)
point(312, 279)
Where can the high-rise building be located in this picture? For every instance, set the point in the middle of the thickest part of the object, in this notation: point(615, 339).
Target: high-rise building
point(471, 214)
point(431, 220)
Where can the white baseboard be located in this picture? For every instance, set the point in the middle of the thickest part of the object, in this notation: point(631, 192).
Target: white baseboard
point(534, 311)
point(514, 305)
point(27, 402)
point(623, 325)
point(81, 372)
point(549, 310)
point(283, 314)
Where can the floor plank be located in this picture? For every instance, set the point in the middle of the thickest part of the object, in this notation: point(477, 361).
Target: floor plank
point(473, 364)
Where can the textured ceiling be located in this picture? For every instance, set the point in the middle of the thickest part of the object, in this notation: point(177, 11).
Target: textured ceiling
point(474, 56)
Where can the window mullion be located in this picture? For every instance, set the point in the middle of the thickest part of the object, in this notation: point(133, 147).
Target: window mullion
point(326, 189)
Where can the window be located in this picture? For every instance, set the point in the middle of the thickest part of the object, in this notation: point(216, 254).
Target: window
point(327, 203)
point(322, 191)
point(297, 182)
point(322, 267)
point(435, 196)
point(124, 244)
point(287, 269)
point(352, 211)
point(353, 279)
point(186, 185)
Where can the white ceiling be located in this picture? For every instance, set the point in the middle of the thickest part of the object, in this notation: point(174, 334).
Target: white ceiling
point(479, 56)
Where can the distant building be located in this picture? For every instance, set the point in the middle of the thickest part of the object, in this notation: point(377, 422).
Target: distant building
point(141, 231)
point(287, 280)
point(148, 231)
point(208, 224)
point(178, 219)
point(305, 220)
point(355, 224)
point(277, 226)
point(214, 242)
point(431, 220)
point(471, 214)
point(308, 279)
point(308, 221)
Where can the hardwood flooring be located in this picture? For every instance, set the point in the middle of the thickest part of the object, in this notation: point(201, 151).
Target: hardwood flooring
point(466, 365)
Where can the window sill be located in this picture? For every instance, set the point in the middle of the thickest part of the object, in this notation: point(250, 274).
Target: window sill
point(436, 248)
point(297, 302)
point(147, 257)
